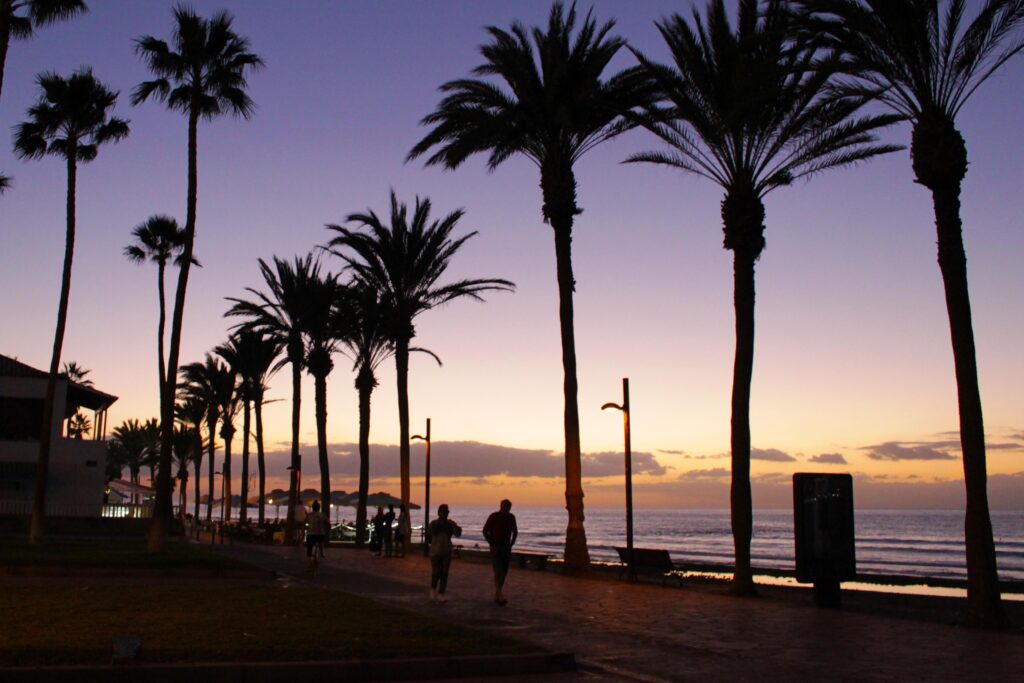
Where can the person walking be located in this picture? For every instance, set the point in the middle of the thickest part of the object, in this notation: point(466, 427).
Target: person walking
point(404, 533)
point(501, 532)
point(316, 534)
point(377, 542)
point(389, 531)
point(439, 538)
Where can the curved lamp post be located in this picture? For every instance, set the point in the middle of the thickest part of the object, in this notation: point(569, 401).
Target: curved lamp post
point(426, 494)
point(629, 474)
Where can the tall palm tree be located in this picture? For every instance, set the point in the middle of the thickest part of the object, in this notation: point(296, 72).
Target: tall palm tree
point(278, 314)
point(78, 425)
point(158, 240)
point(323, 324)
point(19, 17)
point(191, 413)
point(71, 119)
point(553, 108)
point(184, 452)
point(750, 110)
point(202, 73)
point(246, 353)
point(404, 261)
point(368, 345)
point(209, 382)
point(928, 63)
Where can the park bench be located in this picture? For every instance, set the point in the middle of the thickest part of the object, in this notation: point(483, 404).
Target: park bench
point(655, 561)
point(524, 559)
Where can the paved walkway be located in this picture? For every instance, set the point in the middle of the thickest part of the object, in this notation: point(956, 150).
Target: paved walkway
point(647, 632)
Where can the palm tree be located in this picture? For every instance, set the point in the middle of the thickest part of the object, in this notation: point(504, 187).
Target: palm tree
point(18, 24)
point(323, 324)
point(76, 373)
point(404, 261)
point(368, 344)
point(750, 110)
point(191, 413)
point(279, 314)
point(209, 382)
point(202, 74)
point(158, 240)
point(5, 183)
point(246, 353)
point(78, 425)
point(71, 120)
point(131, 445)
point(553, 109)
point(184, 452)
point(928, 63)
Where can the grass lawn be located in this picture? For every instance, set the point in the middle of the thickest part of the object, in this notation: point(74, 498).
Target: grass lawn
point(74, 621)
point(129, 554)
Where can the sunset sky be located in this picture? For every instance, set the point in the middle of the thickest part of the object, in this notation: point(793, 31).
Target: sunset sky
point(853, 368)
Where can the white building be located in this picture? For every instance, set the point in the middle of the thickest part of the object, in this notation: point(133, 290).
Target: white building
point(76, 477)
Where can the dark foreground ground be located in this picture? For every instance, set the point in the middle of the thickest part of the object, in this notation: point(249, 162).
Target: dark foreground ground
point(647, 632)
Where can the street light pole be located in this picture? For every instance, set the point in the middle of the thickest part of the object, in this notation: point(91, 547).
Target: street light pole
point(213, 536)
point(629, 474)
point(426, 493)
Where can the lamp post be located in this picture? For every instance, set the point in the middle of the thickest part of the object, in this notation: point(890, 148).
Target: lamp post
point(221, 525)
point(292, 535)
point(426, 493)
point(629, 474)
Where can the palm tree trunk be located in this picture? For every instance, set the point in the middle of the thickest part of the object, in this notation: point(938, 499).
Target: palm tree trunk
point(320, 401)
point(243, 511)
point(5, 36)
point(364, 462)
point(183, 494)
point(293, 480)
point(402, 376)
point(160, 524)
point(228, 436)
point(212, 427)
point(35, 534)
point(577, 557)
point(743, 367)
point(198, 466)
point(260, 462)
point(984, 606)
point(160, 332)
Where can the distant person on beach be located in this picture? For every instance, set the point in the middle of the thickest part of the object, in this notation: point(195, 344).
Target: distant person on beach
point(389, 531)
point(316, 531)
point(439, 537)
point(404, 531)
point(300, 520)
point(500, 531)
point(376, 543)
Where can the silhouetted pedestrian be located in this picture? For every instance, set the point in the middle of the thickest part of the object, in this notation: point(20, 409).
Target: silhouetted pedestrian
point(377, 542)
point(389, 531)
point(439, 536)
point(404, 532)
point(500, 531)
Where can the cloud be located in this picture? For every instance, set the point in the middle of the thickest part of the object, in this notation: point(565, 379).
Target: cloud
point(895, 451)
point(670, 451)
point(713, 473)
point(772, 454)
point(828, 458)
point(469, 459)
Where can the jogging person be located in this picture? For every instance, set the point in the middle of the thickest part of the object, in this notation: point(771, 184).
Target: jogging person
point(500, 531)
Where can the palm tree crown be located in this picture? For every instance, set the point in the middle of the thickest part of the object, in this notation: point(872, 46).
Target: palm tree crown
point(71, 119)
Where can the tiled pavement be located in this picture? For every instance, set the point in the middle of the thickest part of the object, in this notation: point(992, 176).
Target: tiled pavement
point(647, 632)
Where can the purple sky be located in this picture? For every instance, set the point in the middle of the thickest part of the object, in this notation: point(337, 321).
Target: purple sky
point(852, 353)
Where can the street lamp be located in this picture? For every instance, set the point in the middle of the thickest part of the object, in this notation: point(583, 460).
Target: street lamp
point(629, 474)
point(295, 485)
point(221, 475)
point(426, 494)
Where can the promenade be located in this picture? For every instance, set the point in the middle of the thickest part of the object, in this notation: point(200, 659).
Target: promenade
point(646, 632)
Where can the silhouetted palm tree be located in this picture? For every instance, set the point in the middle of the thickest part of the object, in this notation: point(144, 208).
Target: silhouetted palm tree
point(323, 323)
point(554, 108)
point(191, 413)
point(929, 63)
point(78, 425)
point(158, 240)
point(750, 110)
point(71, 119)
point(264, 364)
point(368, 344)
point(404, 261)
point(279, 314)
point(209, 382)
point(77, 374)
point(184, 453)
point(250, 355)
point(5, 183)
point(202, 73)
point(19, 17)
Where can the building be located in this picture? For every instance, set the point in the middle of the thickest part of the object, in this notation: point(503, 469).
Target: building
point(76, 477)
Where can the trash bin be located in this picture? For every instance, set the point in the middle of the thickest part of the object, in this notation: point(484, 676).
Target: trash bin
point(823, 517)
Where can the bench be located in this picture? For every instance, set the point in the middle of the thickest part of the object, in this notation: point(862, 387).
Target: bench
point(524, 559)
point(649, 561)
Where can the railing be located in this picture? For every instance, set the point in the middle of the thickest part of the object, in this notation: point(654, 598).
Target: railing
point(53, 509)
point(128, 510)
